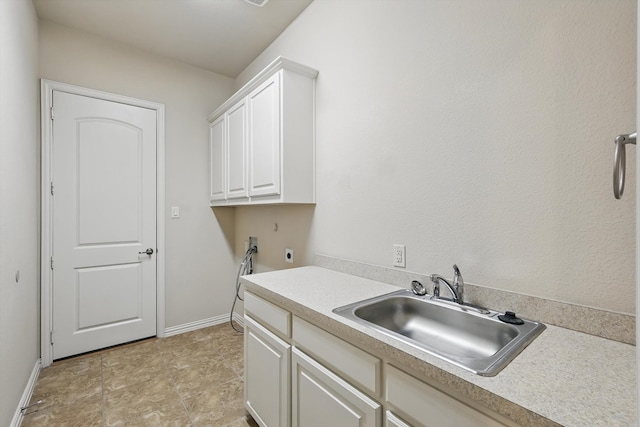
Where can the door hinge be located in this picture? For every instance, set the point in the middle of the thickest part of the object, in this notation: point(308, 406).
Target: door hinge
point(51, 337)
point(53, 113)
point(52, 263)
point(52, 188)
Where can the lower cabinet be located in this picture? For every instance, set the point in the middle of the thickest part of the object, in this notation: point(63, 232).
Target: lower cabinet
point(267, 379)
point(310, 378)
point(320, 398)
point(391, 420)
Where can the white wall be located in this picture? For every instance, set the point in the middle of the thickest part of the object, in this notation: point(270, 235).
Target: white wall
point(19, 207)
point(473, 132)
point(199, 245)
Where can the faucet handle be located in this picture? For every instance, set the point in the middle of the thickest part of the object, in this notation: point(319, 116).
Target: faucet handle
point(457, 276)
point(458, 284)
point(456, 270)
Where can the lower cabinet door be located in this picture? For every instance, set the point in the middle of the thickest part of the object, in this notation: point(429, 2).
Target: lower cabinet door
point(391, 420)
point(267, 367)
point(320, 398)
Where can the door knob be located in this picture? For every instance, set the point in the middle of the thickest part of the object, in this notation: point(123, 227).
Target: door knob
point(149, 251)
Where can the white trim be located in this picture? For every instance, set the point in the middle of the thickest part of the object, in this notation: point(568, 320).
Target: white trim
point(160, 228)
point(204, 323)
point(239, 319)
point(637, 219)
point(26, 395)
point(279, 63)
point(46, 100)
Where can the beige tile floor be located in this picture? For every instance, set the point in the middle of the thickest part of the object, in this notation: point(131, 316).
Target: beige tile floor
point(192, 379)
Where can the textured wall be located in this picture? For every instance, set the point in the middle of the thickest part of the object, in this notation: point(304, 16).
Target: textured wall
point(473, 132)
point(19, 207)
point(199, 255)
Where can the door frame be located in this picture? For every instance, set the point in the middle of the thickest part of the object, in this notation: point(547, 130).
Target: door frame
point(46, 226)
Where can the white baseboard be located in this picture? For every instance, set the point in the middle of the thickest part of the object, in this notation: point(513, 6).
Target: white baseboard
point(204, 323)
point(239, 319)
point(26, 394)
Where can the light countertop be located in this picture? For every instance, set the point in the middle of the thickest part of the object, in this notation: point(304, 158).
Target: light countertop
point(563, 377)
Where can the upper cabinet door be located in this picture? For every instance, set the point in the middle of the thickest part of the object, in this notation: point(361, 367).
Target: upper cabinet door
point(217, 162)
point(237, 151)
point(264, 138)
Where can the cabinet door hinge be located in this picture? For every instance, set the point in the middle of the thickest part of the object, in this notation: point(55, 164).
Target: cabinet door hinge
point(52, 263)
point(52, 188)
point(53, 113)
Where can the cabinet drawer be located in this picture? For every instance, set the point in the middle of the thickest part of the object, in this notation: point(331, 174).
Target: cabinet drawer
point(359, 367)
point(274, 317)
point(428, 406)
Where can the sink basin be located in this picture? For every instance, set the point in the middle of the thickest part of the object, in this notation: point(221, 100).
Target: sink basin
point(467, 336)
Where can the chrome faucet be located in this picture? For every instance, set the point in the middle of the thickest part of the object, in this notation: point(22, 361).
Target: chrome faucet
point(456, 289)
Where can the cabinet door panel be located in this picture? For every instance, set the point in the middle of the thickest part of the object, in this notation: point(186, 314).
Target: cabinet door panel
point(320, 398)
point(391, 420)
point(267, 379)
point(430, 407)
point(237, 151)
point(216, 160)
point(264, 137)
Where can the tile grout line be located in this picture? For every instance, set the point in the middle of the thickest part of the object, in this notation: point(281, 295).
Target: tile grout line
point(104, 415)
point(173, 384)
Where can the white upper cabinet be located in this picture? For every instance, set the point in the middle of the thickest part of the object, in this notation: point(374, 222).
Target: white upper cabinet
point(268, 141)
point(217, 160)
point(264, 138)
point(236, 149)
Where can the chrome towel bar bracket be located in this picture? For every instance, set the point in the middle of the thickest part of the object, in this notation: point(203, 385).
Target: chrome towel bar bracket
point(619, 162)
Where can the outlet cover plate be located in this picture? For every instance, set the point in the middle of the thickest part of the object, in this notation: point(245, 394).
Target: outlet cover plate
point(288, 255)
point(399, 256)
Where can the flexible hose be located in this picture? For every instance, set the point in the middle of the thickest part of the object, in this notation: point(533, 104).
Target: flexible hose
point(246, 267)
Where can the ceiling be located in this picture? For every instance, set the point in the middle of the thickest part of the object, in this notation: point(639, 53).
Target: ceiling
point(223, 36)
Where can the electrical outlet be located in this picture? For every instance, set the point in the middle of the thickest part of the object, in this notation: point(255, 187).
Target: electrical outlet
point(399, 256)
point(288, 255)
point(253, 243)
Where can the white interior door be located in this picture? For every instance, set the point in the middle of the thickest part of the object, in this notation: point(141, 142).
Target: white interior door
point(104, 219)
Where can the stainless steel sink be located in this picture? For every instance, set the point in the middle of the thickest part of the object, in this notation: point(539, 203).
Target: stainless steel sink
point(467, 336)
